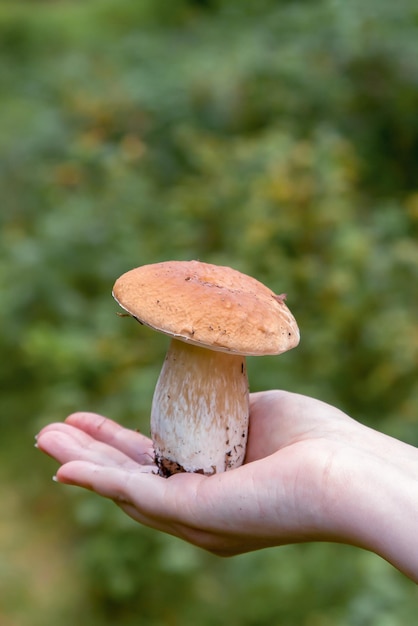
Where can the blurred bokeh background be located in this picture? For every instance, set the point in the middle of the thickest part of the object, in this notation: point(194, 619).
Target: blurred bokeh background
point(277, 137)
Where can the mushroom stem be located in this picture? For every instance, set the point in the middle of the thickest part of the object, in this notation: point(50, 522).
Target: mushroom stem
point(200, 409)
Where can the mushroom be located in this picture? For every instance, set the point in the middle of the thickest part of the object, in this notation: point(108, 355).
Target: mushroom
point(215, 316)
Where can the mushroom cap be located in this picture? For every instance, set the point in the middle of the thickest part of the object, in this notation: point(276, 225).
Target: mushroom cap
point(208, 305)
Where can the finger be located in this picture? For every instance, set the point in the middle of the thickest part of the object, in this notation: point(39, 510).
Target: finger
point(67, 443)
point(149, 507)
point(262, 428)
point(154, 497)
point(132, 443)
point(117, 483)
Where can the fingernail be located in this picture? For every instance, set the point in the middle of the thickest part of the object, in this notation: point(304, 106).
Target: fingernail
point(55, 479)
point(35, 445)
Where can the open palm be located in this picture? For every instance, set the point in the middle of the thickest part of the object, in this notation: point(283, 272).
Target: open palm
point(275, 497)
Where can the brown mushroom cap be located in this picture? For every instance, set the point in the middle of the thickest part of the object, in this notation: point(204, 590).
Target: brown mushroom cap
point(208, 305)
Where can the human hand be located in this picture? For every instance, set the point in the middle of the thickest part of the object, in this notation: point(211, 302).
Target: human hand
point(303, 478)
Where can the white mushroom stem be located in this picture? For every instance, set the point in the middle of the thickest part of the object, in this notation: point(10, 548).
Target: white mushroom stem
point(199, 415)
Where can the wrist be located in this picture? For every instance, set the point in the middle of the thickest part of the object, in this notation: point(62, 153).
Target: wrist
point(373, 504)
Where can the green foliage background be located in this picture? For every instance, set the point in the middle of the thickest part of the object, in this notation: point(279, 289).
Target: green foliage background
point(278, 137)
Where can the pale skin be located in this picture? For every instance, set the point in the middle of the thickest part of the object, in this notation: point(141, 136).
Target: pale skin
point(311, 473)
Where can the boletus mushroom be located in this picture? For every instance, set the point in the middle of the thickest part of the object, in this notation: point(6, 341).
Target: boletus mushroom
point(215, 316)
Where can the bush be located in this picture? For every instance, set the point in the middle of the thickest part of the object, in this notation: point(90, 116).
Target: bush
point(279, 138)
